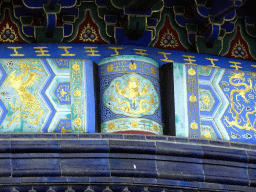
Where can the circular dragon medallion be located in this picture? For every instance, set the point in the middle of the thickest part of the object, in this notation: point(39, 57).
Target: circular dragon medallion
point(131, 95)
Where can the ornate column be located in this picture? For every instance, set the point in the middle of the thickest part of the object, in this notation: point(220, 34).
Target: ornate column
point(130, 95)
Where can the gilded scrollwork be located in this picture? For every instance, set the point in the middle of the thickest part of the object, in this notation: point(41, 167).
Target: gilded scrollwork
point(241, 89)
point(131, 95)
point(28, 104)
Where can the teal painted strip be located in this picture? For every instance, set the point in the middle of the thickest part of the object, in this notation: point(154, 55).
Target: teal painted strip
point(192, 99)
point(77, 96)
point(180, 97)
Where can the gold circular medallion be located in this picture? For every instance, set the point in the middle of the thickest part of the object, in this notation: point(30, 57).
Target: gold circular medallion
point(109, 68)
point(206, 100)
point(134, 124)
point(191, 72)
point(155, 128)
point(192, 98)
point(78, 121)
point(207, 135)
point(133, 66)
point(76, 67)
point(77, 93)
point(111, 126)
point(194, 125)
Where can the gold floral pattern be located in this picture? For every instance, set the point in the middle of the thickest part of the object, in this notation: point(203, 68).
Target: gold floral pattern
point(111, 126)
point(194, 125)
point(78, 121)
point(132, 66)
point(109, 68)
point(8, 35)
point(134, 124)
point(76, 67)
point(88, 34)
point(77, 93)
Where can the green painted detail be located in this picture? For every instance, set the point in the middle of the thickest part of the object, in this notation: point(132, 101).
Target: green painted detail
point(131, 124)
point(207, 132)
point(204, 70)
point(206, 100)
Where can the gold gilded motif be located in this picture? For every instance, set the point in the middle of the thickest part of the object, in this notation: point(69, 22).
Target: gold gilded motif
point(193, 125)
point(236, 65)
point(191, 71)
point(206, 100)
point(77, 93)
point(207, 135)
point(192, 98)
point(15, 51)
point(41, 51)
point(110, 68)
point(78, 121)
point(155, 128)
point(189, 59)
point(132, 66)
point(111, 126)
point(234, 106)
point(63, 93)
point(131, 91)
point(29, 102)
point(76, 67)
point(134, 124)
point(153, 71)
point(63, 130)
point(165, 57)
point(212, 62)
point(66, 51)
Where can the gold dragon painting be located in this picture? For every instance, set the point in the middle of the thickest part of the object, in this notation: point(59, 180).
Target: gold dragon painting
point(241, 88)
point(27, 106)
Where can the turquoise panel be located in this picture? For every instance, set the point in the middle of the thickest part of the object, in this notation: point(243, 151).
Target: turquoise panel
point(130, 95)
point(43, 95)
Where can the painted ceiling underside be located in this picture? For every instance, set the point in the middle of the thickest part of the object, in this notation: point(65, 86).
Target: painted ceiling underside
point(218, 27)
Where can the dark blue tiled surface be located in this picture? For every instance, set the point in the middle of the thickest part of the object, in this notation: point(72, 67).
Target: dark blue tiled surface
point(133, 168)
point(89, 136)
point(180, 171)
point(5, 146)
point(219, 143)
point(111, 136)
point(22, 136)
point(133, 159)
point(35, 146)
point(225, 153)
point(153, 137)
point(69, 136)
point(135, 137)
point(85, 167)
point(45, 136)
point(164, 148)
point(181, 139)
point(127, 180)
point(132, 147)
point(5, 168)
point(131, 156)
point(84, 146)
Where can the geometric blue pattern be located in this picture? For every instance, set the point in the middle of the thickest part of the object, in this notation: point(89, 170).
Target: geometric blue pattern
point(216, 105)
point(62, 93)
point(52, 110)
point(3, 109)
